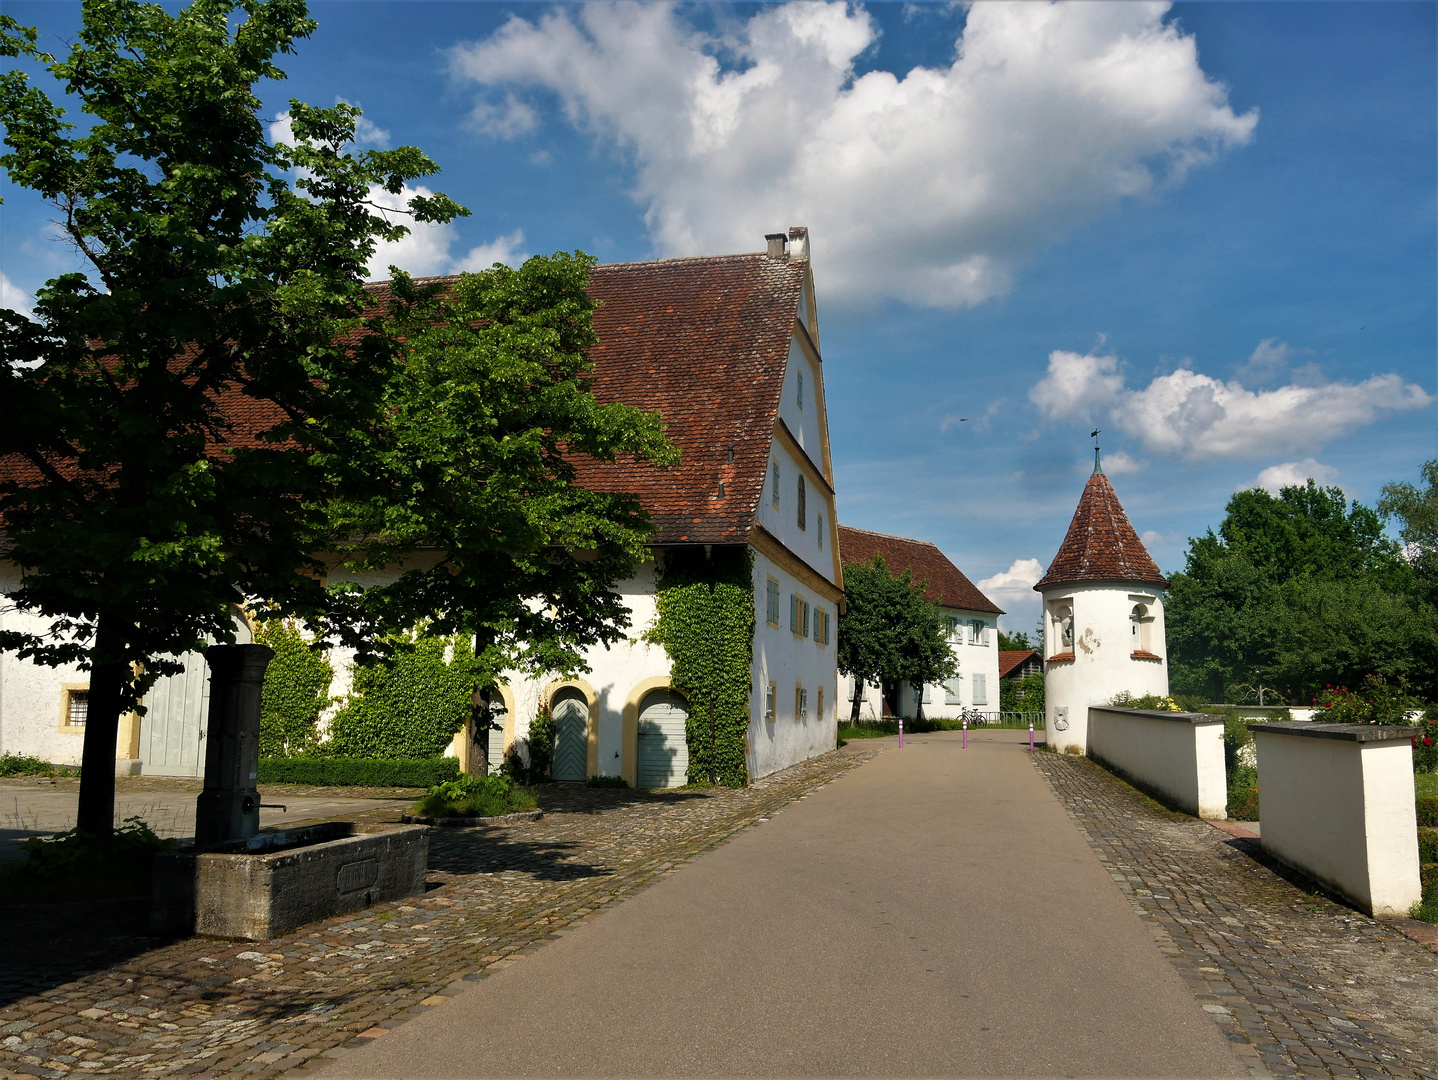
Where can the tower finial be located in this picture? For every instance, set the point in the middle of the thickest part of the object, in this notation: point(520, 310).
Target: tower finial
point(1097, 463)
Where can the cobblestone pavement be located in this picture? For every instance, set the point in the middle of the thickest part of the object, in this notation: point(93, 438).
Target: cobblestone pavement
point(1302, 986)
point(79, 1002)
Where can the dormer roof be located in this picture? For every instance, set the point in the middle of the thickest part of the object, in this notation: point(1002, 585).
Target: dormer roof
point(1101, 545)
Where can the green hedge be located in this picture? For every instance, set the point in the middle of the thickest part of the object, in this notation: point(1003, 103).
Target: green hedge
point(359, 772)
point(1427, 810)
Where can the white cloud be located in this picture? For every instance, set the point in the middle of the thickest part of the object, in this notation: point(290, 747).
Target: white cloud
point(1268, 361)
point(15, 298)
point(1121, 464)
point(1021, 576)
point(1292, 474)
point(932, 186)
point(1189, 415)
point(504, 249)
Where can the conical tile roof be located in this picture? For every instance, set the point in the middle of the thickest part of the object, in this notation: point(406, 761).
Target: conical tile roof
point(1101, 545)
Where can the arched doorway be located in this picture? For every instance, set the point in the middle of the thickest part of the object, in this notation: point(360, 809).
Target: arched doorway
point(662, 754)
point(569, 710)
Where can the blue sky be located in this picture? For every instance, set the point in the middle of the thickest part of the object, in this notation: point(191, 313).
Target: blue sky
point(1206, 229)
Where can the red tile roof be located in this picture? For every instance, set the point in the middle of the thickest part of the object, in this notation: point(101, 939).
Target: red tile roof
point(1013, 658)
point(946, 584)
point(1101, 545)
point(702, 340)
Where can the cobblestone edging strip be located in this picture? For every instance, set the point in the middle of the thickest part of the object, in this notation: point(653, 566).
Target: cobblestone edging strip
point(465, 822)
point(1300, 985)
point(203, 1008)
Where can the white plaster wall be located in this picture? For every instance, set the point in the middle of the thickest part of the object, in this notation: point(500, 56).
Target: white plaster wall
point(973, 658)
point(1170, 753)
point(1102, 664)
point(1342, 812)
point(783, 521)
point(30, 696)
point(790, 661)
point(803, 422)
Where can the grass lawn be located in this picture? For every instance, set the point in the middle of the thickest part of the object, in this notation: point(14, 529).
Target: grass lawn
point(1426, 783)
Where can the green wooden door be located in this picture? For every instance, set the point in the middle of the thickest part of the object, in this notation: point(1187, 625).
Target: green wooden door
point(663, 753)
point(172, 731)
point(570, 712)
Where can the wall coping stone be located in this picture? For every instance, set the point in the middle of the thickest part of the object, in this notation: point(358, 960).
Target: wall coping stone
point(1163, 714)
point(1360, 733)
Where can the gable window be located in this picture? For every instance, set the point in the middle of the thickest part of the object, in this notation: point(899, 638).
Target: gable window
point(801, 390)
point(775, 494)
point(771, 602)
point(803, 502)
point(819, 528)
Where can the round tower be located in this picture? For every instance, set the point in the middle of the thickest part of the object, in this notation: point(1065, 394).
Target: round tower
point(1103, 616)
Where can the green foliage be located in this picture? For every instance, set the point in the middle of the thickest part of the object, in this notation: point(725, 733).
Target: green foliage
point(541, 745)
point(297, 688)
point(409, 705)
point(1008, 695)
point(1243, 804)
point(1146, 701)
point(1015, 641)
point(1298, 591)
point(706, 625)
point(1033, 690)
point(475, 796)
point(607, 781)
point(1425, 786)
point(888, 632)
point(1425, 742)
point(73, 866)
point(358, 772)
point(20, 765)
point(1379, 702)
point(1417, 514)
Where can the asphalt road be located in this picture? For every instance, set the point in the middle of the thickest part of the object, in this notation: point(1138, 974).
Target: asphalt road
point(934, 912)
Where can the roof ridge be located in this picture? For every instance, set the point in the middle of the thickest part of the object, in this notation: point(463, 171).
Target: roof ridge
point(889, 536)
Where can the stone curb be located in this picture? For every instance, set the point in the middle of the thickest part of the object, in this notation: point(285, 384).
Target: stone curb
point(502, 819)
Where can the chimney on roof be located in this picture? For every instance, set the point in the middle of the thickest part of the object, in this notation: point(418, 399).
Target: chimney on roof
point(776, 244)
point(798, 243)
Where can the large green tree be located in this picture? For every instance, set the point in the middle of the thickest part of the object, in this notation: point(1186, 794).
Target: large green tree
point(1416, 511)
point(888, 632)
point(1295, 591)
point(217, 412)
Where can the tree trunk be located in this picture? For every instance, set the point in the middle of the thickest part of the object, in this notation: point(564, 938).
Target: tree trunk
point(918, 702)
point(858, 700)
point(108, 673)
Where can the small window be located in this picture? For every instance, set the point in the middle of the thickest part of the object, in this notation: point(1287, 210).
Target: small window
point(771, 602)
point(981, 691)
point(775, 494)
point(801, 704)
point(77, 709)
point(803, 504)
point(801, 390)
point(769, 704)
point(819, 528)
point(951, 692)
point(955, 628)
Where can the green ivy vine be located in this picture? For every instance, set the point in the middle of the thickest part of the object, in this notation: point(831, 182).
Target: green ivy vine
point(706, 625)
point(408, 706)
point(297, 688)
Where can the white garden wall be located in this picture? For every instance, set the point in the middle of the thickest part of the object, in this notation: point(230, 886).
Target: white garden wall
point(1176, 756)
point(1338, 805)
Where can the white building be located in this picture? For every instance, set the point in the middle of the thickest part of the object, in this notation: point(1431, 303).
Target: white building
point(727, 349)
point(973, 621)
point(1103, 616)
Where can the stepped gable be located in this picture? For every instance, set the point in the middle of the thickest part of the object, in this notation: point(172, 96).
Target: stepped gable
point(1101, 545)
point(945, 583)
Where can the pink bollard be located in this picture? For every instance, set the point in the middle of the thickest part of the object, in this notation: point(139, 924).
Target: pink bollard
point(1031, 734)
point(901, 733)
point(966, 734)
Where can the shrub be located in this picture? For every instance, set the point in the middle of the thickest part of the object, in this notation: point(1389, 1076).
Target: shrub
point(1427, 807)
point(1425, 742)
point(1243, 793)
point(358, 772)
point(297, 688)
point(475, 796)
point(541, 745)
point(21, 765)
point(1033, 688)
point(409, 706)
point(1148, 701)
point(70, 867)
point(1379, 702)
point(607, 781)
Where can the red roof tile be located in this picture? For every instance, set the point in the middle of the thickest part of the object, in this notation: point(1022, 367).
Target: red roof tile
point(946, 584)
point(1013, 658)
point(1101, 545)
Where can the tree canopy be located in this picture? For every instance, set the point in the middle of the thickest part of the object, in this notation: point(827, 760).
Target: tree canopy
point(1298, 591)
point(888, 632)
point(219, 412)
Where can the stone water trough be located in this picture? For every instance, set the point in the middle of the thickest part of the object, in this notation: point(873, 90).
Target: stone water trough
point(266, 885)
point(237, 882)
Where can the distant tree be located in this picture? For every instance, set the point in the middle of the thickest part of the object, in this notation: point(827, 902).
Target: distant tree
point(1416, 512)
point(888, 632)
point(1015, 641)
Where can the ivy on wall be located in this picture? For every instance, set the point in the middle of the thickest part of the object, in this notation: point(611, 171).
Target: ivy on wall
point(409, 706)
point(706, 625)
point(297, 687)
